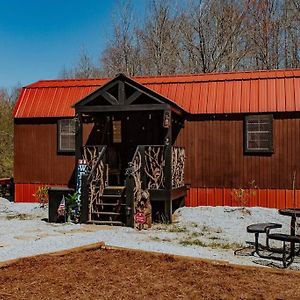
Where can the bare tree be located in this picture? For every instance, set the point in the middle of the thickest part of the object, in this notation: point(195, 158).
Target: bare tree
point(213, 35)
point(290, 22)
point(7, 102)
point(264, 33)
point(122, 55)
point(201, 36)
point(84, 68)
point(160, 40)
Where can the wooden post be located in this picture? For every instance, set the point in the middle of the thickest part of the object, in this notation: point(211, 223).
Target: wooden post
point(129, 197)
point(143, 165)
point(84, 199)
point(168, 169)
point(78, 138)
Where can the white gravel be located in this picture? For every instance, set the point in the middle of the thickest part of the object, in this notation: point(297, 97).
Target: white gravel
point(204, 232)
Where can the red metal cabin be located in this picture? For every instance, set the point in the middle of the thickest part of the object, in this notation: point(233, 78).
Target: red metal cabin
point(238, 128)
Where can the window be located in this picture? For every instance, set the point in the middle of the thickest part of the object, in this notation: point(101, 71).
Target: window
point(66, 135)
point(117, 136)
point(259, 133)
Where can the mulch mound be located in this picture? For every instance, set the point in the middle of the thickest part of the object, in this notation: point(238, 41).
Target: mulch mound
point(103, 273)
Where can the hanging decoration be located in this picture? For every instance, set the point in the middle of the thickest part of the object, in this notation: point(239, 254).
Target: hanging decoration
point(167, 119)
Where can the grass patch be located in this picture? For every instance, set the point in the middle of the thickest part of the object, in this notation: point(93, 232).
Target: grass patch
point(213, 238)
point(177, 229)
point(157, 239)
point(154, 238)
point(205, 228)
point(214, 245)
point(195, 234)
point(226, 246)
point(193, 243)
point(19, 217)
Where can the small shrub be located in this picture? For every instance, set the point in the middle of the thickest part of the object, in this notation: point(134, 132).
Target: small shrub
point(243, 196)
point(41, 195)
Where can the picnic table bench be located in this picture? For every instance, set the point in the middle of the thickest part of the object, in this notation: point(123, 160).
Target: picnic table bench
point(262, 228)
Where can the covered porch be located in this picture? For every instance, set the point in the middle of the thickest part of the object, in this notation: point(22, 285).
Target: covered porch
point(129, 163)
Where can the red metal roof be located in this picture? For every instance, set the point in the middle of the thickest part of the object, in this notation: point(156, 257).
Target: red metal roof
point(214, 93)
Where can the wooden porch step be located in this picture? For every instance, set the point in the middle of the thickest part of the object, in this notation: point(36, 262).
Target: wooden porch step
point(110, 204)
point(114, 190)
point(106, 222)
point(111, 196)
point(115, 187)
point(107, 213)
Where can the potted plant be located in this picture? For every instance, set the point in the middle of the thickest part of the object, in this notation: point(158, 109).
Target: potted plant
point(72, 207)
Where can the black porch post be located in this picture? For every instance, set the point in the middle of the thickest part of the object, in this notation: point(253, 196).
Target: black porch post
point(168, 166)
point(78, 138)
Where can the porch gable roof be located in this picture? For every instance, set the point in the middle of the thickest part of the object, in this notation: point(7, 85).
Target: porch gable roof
point(123, 93)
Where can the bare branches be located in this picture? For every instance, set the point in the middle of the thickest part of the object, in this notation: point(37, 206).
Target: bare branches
point(84, 68)
point(7, 100)
point(160, 40)
point(201, 36)
point(122, 54)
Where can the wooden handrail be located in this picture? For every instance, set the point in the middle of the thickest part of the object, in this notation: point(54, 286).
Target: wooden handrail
point(100, 157)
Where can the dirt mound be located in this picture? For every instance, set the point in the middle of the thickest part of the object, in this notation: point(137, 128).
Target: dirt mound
point(127, 274)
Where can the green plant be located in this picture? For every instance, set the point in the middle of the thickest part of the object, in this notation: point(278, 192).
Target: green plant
point(41, 194)
point(72, 207)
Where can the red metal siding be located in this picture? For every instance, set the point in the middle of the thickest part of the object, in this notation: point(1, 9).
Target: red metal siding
point(215, 154)
point(36, 158)
point(271, 198)
point(216, 93)
point(24, 192)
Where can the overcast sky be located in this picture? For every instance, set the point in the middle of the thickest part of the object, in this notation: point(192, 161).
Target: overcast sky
point(39, 37)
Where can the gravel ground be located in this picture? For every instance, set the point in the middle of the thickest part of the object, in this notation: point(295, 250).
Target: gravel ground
point(205, 232)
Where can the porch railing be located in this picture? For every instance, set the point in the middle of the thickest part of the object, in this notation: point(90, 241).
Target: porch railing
point(145, 172)
point(94, 181)
point(178, 160)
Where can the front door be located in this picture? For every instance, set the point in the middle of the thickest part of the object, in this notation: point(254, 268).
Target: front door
point(140, 128)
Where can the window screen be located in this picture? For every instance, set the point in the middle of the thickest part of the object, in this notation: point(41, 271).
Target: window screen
point(66, 135)
point(259, 133)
